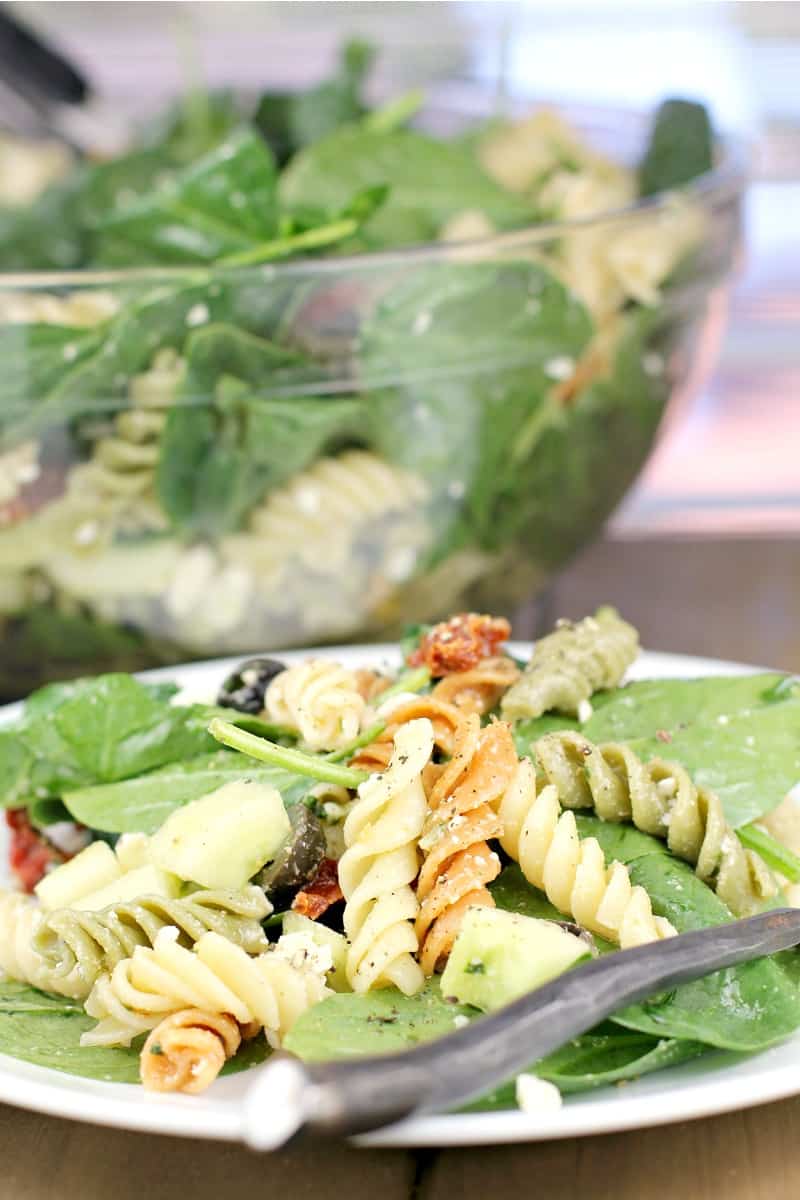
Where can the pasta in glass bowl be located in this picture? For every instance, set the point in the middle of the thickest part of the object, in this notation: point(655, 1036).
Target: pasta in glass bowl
point(226, 451)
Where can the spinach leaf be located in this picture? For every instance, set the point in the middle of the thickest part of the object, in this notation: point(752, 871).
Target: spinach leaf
point(143, 803)
point(345, 1026)
point(350, 1025)
point(607, 1055)
point(561, 449)
point(680, 148)
point(429, 181)
point(289, 120)
point(223, 202)
point(737, 735)
point(744, 1008)
point(471, 345)
point(217, 460)
point(46, 1030)
point(102, 730)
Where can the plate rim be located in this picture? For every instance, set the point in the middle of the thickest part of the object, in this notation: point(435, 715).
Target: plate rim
point(725, 1083)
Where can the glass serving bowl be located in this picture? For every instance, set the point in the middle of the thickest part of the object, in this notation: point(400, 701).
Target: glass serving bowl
point(198, 462)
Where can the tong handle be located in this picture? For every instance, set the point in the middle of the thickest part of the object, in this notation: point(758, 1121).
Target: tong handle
point(349, 1097)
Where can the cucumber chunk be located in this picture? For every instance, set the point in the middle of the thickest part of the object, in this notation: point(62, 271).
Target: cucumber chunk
point(221, 840)
point(87, 872)
point(500, 955)
point(143, 881)
point(320, 934)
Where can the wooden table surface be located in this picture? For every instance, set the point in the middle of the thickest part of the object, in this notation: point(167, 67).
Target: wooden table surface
point(729, 599)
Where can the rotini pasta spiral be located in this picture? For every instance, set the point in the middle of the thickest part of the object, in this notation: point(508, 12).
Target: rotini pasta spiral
point(76, 947)
point(187, 1051)
point(571, 663)
point(380, 864)
point(119, 476)
point(660, 799)
point(316, 514)
point(20, 921)
point(458, 863)
point(216, 976)
point(571, 870)
point(320, 699)
point(479, 689)
point(443, 717)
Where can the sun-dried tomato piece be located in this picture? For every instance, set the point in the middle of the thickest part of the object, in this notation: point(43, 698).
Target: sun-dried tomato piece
point(460, 643)
point(30, 853)
point(321, 893)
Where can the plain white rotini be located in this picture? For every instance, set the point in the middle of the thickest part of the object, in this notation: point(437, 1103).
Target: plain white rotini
point(570, 870)
point(119, 476)
point(320, 699)
point(79, 308)
point(215, 976)
point(20, 921)
point(382, 833)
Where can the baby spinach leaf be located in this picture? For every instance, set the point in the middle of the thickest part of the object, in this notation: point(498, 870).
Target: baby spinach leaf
point(349, 1025)
point(105, 729)
point(218, 459)
point(470, 345)
point(46, 1030)
point(222, 203)
point(345, 1026)
point(737, 735)
point(744, 1008)
point(429, 180)
point(680, 148)
point(289, 120)
point(607, 1055)
point(143, 803)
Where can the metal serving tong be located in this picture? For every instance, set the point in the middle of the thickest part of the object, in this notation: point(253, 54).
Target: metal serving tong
point(349, 1097)
point(43, 94)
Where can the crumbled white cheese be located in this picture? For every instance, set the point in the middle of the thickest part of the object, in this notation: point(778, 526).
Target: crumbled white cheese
point(460, 1021)
point(722, 719)
point(560, 367)
point(301, 951)
point(585, 711)
point(535, 1095)
point(667, 786)
point(68, 837)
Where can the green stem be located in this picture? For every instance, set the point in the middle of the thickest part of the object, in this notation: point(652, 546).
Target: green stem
point(779, 858)
point(395, 113)
point(363, 739)
point(295, 761)
point(413, 679)
point(310, 239)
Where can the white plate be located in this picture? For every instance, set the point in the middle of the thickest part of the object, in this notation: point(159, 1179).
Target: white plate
point(718, 1082)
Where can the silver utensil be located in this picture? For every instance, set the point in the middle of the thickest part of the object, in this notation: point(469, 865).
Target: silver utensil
point(356, 1095)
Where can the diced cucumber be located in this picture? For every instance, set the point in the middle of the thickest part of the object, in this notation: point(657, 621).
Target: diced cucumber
point(500, 955)
point(221, 840)
point(132, 850)
point(320, 934)
point(144, 881)
point(93, 868)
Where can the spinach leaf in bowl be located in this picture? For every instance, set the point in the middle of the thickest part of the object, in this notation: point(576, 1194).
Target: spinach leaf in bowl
point(228, 440)
point(469, 349)
point(429, 181)
point(680, 148)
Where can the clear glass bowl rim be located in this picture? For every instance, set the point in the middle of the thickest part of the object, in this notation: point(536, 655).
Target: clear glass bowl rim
point(725, 180)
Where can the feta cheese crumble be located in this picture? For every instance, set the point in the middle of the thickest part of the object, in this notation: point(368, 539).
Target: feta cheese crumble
point(535, 1095)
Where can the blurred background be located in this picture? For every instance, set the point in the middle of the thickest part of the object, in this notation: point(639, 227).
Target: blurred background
point(711, 527)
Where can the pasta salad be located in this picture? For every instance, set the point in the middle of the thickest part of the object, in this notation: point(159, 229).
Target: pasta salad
point(343, 861)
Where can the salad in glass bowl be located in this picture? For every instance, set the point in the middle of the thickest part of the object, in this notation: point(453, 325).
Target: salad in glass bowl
point(311, 373)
